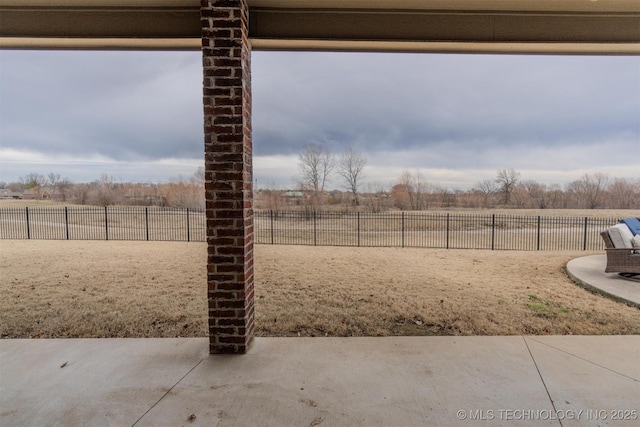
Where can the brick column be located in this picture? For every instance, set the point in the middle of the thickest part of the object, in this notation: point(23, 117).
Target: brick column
point(226, 60)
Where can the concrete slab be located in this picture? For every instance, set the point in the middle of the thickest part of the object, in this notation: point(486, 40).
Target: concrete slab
point(586, 391)
point(617, 353)
point(391, 381)
point(589, 272)
point(89, 382)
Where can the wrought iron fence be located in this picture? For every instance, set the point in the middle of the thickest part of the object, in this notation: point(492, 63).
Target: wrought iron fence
point(102, 223)
point(430, 230)
point(389, 229)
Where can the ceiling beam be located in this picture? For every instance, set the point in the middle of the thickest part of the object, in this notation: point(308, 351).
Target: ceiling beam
point(487, 26)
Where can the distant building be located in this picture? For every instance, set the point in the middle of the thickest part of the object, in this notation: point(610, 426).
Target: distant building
point(294, 198)
point(6, 194)
point(43, 193)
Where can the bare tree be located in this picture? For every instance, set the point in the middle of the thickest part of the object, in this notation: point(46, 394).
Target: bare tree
point(64, 186)
point(59, 184)
point(316, 164)
point(350, 168)
point(416, 188)
point(34, 182)
point(197, 183)
point(624, 194)
point(272, 197)
point(506, 180)
point(537, 194)
point(590, 189)
point(377, 197)
point(33, 179)
point(487, 188)
point(520, 198)
point(105, 191)
point(53, 179)
point(404, 190)
point(81, 193)
point(556, 197)
point(198, 176)
point(448, 198)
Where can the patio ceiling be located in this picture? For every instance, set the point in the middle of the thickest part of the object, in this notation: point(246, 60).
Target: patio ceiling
point(489, 26)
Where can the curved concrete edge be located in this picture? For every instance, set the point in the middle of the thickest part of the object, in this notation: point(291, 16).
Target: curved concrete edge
point(588, 272)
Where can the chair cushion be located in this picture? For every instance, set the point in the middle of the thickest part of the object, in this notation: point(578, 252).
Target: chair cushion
point(621, 236)
point(633, 224)
point(635, 242)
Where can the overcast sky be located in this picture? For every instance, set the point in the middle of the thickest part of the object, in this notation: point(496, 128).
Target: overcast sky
point(457, 118)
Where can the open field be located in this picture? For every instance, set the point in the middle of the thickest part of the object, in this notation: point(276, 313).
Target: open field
point(158, 289)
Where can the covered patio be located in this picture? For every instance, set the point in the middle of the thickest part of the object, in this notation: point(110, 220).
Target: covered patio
point(228, 30)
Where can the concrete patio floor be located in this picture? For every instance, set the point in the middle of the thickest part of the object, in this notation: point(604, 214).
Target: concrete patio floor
point(389, 381)
point(589, 272)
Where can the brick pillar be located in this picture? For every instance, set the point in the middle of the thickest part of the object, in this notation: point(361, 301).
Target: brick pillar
point(226, 60)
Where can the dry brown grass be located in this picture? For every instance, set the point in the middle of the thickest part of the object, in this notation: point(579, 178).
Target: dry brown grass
point(158, 289)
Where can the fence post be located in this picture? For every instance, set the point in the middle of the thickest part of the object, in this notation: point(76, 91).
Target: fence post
point(586, 222)
point(28, 226)
point(146, 222)
point(271, 224)
point(447, 230)
point(403, 229)
point(315, 237)
point(66, 221)
point(358, 229)
point(106, 224)
point(188, 232)
point(493, 232)
point(538, 246)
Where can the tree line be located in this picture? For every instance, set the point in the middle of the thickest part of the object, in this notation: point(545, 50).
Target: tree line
point(105, 191)
point(318, 167)
point(411, 190)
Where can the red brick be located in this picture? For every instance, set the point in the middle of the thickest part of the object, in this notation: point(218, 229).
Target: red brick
point(234, 286)
point(232, 340)
point(230, 304)
point(224, 268)
point(217, 348)
point(221, 314)
point(223, 332)
point(228, 173)
point(231, 322)
point(227, 62)
point(216, 277)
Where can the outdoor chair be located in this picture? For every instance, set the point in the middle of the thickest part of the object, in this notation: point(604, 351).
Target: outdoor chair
point(622, 246)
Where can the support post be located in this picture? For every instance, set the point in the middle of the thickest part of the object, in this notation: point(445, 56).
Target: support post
point(106, 224)
point(493, 232)
point(66, 222)
point(28, 225)
point(226, 59)
point(146, 222)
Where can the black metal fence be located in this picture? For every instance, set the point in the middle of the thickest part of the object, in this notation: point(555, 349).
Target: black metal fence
point(430, 230)
point(102, 223)
point(389, 229)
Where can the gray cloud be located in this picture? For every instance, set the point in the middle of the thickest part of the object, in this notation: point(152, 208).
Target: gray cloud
point(545, 114)
point(125, 106)
point(409, 101)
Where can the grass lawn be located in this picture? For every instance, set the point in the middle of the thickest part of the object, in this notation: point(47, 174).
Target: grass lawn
point(54, 289)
